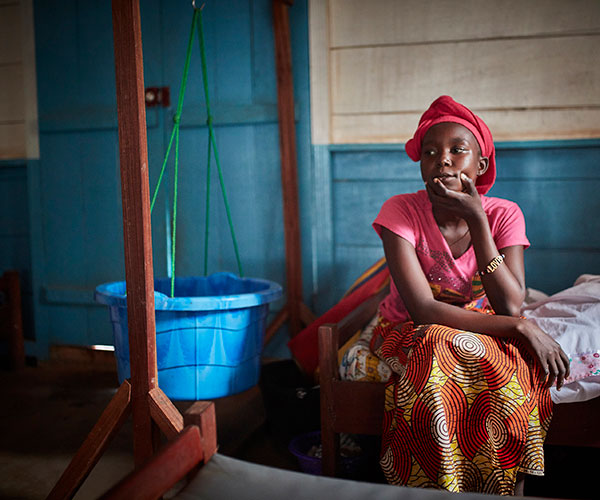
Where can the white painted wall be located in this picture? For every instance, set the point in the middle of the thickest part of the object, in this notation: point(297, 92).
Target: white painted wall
point(530, 68)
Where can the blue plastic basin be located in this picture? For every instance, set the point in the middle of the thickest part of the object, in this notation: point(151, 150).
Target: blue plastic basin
point(209, 336)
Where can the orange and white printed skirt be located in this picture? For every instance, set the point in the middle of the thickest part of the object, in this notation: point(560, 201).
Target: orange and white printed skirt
point(463, 411)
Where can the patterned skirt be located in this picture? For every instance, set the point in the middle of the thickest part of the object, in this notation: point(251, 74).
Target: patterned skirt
point(463, 411)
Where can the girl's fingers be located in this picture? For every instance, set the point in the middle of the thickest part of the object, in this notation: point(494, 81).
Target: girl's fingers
point(436, 190)
point(561, 374)
point(553, 372)
point(566, 362)
point(445, 192)
point(439, 187)
point(468, 183)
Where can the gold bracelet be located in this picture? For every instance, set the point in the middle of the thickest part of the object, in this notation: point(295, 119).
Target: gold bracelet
point(493, 265)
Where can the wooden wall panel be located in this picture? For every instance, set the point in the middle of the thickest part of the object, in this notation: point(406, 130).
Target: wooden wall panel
point(12, 140)
point(10, 33)
point(378, 22)
point(498, 74)
point(319, 72)
point(12, 105)
point(506, 125)
point(531, 69)
point(12, 128)
point(18, 99)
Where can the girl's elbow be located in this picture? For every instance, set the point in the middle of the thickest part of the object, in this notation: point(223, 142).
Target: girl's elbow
point(423, 315)
point(511, 308)
point(514, 310)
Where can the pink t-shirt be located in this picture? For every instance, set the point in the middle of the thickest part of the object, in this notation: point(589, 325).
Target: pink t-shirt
point(410, 216)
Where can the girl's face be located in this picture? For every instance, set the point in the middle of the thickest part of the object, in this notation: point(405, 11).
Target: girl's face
point(449, 150)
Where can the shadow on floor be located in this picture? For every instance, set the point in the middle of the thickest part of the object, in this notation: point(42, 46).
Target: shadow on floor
point(47, 411)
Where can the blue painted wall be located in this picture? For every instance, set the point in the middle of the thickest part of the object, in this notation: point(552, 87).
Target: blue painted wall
point(15, 240)
point(74, 191)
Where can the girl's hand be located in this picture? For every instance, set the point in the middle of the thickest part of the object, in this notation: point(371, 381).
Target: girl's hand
point(465, 204)
point(547, 353)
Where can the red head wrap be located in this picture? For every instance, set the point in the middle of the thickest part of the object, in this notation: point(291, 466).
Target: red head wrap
point(446, 109)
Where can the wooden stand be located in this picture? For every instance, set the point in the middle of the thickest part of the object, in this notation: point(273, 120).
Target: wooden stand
point(11, 320)
point(294, 310)
point(151, 408)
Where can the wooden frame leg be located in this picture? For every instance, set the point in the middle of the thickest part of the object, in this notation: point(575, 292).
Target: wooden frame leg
point(164, 413)
point(94, 445)
point(280, 319)
point(202, 414)
point(16, 345)
point(163, 470)
point(306, 318)
point(330, 440)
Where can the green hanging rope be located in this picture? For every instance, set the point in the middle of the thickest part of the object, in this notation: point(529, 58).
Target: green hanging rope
point(212, 148)
point(175, 137)
point(177, 117)
point(212, 140)
point(207, 214)
point(174, 238)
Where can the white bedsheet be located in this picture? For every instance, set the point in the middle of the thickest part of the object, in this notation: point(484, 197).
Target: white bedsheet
point(572, 318)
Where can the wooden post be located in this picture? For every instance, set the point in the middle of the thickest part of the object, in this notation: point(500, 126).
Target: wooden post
point(330, 440)
point(149, 405)
point(135, 192)
point(289, 176)
point(202, 414)
point(10, 284)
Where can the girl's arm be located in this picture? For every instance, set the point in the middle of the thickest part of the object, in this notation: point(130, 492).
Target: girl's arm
point(505, 287)
point(424, 309)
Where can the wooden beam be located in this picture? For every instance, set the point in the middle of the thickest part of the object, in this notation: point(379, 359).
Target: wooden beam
point(306, 315)
point(10, 284)
point(328, 373)
point(289, 175)
point(281, 317)
point(133, 153)
point(202, 414)
point(94, 445)
point(163, 471)
point(164, 413)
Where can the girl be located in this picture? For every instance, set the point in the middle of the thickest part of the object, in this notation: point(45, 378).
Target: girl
point(468, 406)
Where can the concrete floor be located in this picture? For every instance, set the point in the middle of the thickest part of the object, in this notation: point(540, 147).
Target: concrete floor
point(48, 410)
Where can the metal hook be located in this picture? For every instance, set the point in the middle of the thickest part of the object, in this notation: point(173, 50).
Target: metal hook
point(194, 5)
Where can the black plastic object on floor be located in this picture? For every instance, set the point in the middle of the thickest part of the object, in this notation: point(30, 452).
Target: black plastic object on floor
point(291, 401)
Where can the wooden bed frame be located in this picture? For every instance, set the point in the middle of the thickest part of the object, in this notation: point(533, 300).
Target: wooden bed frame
point(357, 407)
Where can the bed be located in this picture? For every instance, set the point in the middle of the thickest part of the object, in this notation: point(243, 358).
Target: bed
point(186, 469)
point(341, 414)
